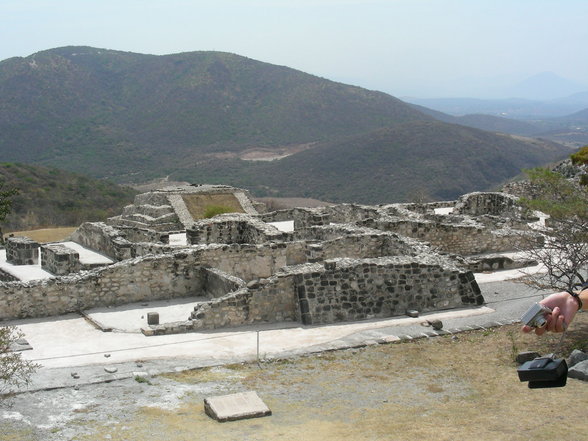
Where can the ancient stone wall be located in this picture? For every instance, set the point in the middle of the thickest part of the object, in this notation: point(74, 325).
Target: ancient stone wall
point(144, 235)
point(250, 262)
point(59, 260)
point(233, 228)
point(22, 251)
point(338, 290)
point(347, 290)
point(481, 203)
point(147, 278)
point(340, 240)
point(7, 277)
point(219, 283)
point(271, 301)
point(456, 238)
point(104, 239)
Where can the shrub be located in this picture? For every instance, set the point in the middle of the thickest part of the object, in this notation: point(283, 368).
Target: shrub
point(213, 210)
point(581, 156)
point(14, 371)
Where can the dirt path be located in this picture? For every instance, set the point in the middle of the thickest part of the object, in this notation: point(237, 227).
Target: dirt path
point(444, 388)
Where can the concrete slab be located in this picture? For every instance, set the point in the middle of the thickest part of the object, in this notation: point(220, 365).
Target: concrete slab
point(133, 316)
point(444, 210)
point(26, 273)
point(178, 239)
point(88, 256)
point(237, 406)
point(285, 226)
point(498, 276)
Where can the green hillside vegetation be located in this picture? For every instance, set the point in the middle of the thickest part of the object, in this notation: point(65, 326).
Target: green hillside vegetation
point(125, 115)
point(388, 165)
point(132, 117)
point(490, 123)
point(50, 197)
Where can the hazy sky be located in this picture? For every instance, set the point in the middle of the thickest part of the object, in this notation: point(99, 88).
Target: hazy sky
point(404, 47)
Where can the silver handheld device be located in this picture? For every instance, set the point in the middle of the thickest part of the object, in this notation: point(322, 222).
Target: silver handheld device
point(535, 316)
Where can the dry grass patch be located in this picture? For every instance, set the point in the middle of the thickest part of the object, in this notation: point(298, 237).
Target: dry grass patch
point(197, 204)
point(46, 235)
point(442, 389)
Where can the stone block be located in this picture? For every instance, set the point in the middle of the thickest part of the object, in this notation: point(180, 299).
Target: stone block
point(59, 259)
point(576, 357)
point(22, 251)
point(153, 318)
point(237, 406)
point(579, 371)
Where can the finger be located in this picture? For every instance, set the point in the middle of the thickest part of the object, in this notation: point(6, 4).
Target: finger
point(559, 325)
point(552, 320)
point(540, 331)
point(526, 329)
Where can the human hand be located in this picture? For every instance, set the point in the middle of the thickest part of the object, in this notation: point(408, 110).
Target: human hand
point(563, 307)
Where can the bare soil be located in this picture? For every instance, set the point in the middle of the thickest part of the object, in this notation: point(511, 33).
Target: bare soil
point(443, 388)
point(264, 153)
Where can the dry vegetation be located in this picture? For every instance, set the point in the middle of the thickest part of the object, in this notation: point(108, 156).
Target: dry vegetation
point(197, 204)
point(442, 389)
point(45, 235)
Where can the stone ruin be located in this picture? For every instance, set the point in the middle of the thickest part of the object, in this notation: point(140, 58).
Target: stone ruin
point(310, 265)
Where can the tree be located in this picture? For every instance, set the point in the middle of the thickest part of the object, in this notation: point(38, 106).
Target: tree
point(14, 371)
point(5, 204)
point(565, 254)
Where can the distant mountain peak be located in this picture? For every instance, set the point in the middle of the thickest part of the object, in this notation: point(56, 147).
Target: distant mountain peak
point(545, 86)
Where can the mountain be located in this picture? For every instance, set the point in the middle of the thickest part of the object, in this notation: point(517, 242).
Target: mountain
point(126, 115)
point(392, 164)
point(545, 86)
point(481, 121)
point(49, 197)
point(580, 117)
point(512, 108)
point(212, 116)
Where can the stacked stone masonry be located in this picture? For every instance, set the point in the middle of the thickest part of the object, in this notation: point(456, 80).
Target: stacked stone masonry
point(344, 262)
point(59, 260)
point(22, 251)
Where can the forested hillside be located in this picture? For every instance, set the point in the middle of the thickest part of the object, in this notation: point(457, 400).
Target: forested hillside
point(203, 116)
point(49, 197)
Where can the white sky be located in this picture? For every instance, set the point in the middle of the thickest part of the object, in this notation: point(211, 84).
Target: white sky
point(402, 47)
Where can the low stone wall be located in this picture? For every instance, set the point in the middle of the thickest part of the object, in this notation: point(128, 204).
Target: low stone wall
point(428, 207)
point(218, 283)
point(7, 277)
point(233, 228)
point(250, 262)
point(104, 239)
point(338, 240)
point(492, 203)
point(271, 301)
point(456, 238)
point(144, 235)
point(135, 280)
point(338, 290)
point(348, 290)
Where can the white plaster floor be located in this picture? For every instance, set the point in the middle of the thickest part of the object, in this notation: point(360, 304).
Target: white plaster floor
point(70, 340)
point(27, 273)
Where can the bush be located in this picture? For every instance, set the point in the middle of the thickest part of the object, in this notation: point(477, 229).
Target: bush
point(581, 156)
point(213, 210)
point(14, 371)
